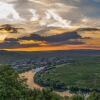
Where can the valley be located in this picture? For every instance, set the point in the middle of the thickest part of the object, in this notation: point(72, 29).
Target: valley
point(78, 69)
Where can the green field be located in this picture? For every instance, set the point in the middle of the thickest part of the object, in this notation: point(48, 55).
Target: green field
point(78, 74)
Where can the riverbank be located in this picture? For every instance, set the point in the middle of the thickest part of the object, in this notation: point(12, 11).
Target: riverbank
point(29, 76)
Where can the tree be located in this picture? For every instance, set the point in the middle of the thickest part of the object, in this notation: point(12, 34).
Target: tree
point(94, 96)
point(12, 87)
point(77, 97)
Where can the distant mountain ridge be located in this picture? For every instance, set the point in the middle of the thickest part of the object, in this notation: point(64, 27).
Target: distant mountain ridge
point(69, 52)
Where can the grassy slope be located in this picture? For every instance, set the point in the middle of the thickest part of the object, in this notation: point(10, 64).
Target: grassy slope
point(81, 74)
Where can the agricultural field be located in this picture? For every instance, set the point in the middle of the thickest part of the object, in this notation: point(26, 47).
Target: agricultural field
point(83, 74)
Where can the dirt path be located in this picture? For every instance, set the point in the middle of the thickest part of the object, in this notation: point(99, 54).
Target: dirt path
point(29, 75)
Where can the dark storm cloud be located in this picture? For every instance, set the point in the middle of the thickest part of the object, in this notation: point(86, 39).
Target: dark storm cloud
point(66, 38)
point(14, 43)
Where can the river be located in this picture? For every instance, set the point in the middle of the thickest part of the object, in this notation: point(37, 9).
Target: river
point(29, 75)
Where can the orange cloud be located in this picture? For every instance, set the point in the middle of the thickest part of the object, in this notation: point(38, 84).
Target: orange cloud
point(95, 42)
point(42, 43)
point(53, 48)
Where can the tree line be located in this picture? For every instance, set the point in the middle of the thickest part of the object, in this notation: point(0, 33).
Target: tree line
point(12, 87)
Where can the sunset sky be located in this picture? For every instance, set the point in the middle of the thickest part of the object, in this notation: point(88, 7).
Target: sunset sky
point(66, 11)
point(42, 25)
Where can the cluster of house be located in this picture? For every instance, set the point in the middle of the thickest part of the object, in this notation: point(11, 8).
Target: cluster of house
point(27, 64)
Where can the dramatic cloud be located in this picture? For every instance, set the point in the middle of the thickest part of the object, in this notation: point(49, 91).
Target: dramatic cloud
point(60, 21)
point(47, 23)
point(36, 40)
point(38, 10)
point(7, 12)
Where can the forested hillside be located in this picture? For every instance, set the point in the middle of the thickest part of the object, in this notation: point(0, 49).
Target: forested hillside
point(12, 87)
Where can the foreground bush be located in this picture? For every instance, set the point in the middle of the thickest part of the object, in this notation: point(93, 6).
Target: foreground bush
point(14, 88)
